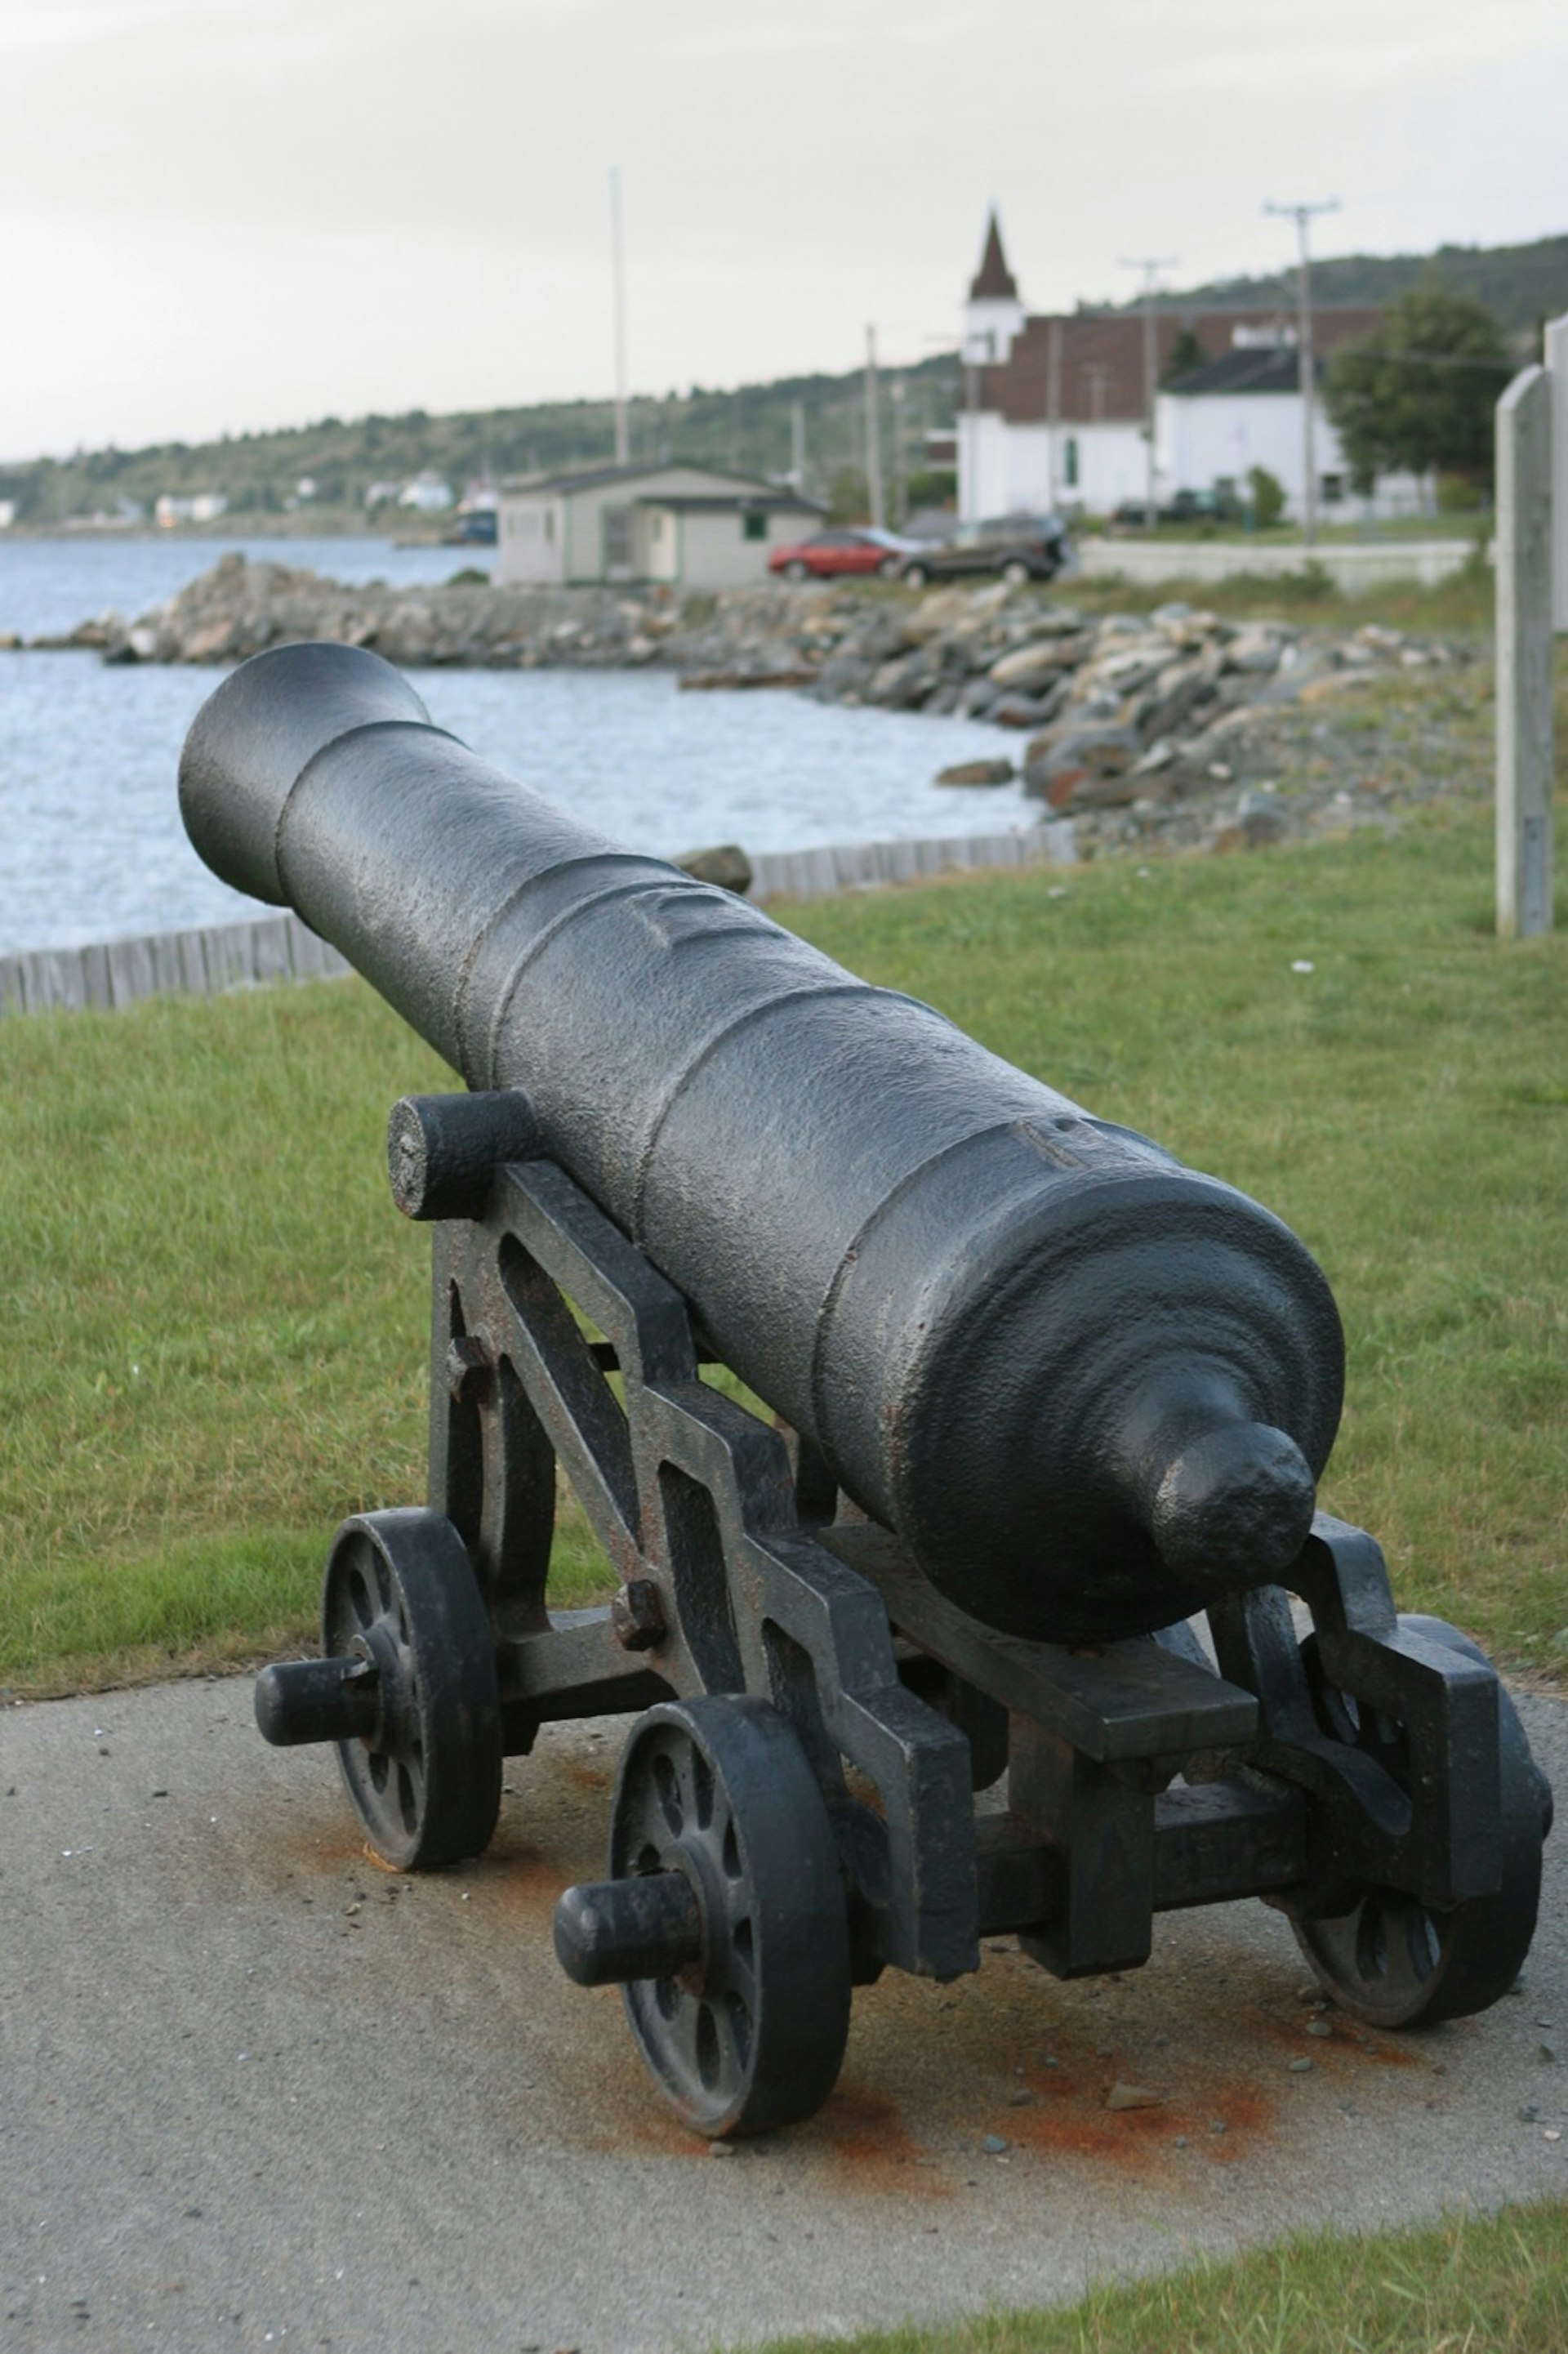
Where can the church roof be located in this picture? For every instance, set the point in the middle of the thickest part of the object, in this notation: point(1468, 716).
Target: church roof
point(1277, 370)
point(1086, 367)
point(994, 281)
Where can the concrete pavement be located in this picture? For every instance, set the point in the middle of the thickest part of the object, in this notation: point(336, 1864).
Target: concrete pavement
point(256, 2092)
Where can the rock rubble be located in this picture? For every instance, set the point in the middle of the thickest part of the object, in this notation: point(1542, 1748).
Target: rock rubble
point(1173, 729)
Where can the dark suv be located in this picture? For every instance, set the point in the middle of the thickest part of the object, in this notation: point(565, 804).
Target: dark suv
point(1015, 547)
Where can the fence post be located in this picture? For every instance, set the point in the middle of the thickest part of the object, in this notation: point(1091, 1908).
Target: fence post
point(1524, 616)
point(1555, 352)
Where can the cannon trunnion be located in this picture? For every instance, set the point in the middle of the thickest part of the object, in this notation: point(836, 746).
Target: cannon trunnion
point(1037, 1403)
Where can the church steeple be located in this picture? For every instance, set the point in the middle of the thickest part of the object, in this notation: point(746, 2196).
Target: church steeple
point(993, 315)
point(993, 281)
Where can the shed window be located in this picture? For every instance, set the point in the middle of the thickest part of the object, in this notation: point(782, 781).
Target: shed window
point(753, 524)
point(1070, 463)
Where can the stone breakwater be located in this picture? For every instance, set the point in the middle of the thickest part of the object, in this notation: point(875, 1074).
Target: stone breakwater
point(1173, 729)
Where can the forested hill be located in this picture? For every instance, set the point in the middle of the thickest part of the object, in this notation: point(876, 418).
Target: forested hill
point(748, 429)
point(1520, 284)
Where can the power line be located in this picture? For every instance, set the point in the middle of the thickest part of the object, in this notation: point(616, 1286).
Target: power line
point(1301, 215)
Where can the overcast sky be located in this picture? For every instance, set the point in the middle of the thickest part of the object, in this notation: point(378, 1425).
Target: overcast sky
point(224, 214)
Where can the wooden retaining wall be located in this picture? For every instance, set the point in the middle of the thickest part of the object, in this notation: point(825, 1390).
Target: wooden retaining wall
point(215, 958)
point(818, 874)
point(201, 963)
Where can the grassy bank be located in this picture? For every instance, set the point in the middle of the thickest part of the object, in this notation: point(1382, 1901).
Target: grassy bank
point(1491, 2285)
point(1463, 605)
point(218, 1325)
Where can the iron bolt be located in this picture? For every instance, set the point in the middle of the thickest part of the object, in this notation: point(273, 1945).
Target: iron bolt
point(637, 1614)
point(468, 1357)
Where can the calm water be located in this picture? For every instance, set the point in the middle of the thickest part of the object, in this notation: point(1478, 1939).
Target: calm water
point(92, 846)
point(50, 585)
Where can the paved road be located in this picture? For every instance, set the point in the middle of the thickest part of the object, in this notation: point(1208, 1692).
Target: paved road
point(255, 2091)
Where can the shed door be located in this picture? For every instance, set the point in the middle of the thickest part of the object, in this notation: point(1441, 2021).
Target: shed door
point(617, 525)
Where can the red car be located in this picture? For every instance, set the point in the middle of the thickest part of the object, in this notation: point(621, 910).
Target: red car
point(828, 554)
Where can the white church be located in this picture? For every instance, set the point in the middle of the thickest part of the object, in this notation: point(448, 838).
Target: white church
point(1054, 414)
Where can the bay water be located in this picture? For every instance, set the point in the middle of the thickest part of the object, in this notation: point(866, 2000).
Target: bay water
point(91, 843)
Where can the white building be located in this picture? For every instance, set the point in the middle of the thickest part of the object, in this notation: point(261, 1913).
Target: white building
point(1056, 408)
point(677, 523)
point(205, 506)
point(1244, 410)
point(427, 494)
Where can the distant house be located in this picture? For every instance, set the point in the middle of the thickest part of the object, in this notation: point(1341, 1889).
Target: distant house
point(427, 494)
point(1244, 410)
point(1054, 412)
point(203, 506)
point(682, 524)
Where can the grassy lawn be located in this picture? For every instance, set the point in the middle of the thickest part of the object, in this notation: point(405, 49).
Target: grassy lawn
point(1463, 604)
point(1494, 2285)
point(216, 1327)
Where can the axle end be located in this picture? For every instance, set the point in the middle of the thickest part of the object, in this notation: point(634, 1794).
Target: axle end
point(608, 1932)
point(317, 1700)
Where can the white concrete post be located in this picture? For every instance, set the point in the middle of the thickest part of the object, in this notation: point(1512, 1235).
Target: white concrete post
point(1556, 356)
point(1524, 656)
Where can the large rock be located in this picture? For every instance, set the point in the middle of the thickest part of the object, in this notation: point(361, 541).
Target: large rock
point(1258, 649)
point(977, 772)
point(1064, 766)
point(726, 863)
point(1029, 668)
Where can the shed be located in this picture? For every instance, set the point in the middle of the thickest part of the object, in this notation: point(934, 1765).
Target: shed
point(684, 524)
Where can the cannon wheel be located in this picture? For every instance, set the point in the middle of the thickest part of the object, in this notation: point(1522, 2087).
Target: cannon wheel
point(1395, 1962)
point(400, 1591)
point(753, 2036)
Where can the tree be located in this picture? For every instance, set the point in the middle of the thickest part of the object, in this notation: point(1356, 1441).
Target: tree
point(1420, 391)
point(848, 495)
point(1186, 355)
point(1267, 496)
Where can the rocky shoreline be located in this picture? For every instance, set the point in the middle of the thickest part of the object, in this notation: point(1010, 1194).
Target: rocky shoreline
point(1173, 729)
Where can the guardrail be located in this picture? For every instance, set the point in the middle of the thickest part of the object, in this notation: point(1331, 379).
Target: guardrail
point(212, 958)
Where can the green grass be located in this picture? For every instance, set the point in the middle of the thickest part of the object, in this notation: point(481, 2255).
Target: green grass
point(1464, 604)
point(1491, 2285)
point(216, 1327)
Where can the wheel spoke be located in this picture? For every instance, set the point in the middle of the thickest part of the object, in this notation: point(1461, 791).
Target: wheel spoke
point(738, 2035)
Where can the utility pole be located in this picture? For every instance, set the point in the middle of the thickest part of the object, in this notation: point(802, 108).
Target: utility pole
point(874, 434)
point(1301, 215)
point(1151, 264)
point(900, 452)
point(797, 447)
point(618, 273)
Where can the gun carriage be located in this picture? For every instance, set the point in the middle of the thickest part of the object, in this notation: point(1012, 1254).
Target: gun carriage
point(1039, 1406)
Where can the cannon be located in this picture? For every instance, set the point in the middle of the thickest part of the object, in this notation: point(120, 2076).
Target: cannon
point(934, 1430)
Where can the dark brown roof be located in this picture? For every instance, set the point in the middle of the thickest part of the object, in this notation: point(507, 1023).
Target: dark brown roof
point(994, 281)
point(1099, 363)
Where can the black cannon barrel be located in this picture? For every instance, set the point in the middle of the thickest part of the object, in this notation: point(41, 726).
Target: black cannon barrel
point(1086, 1386)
